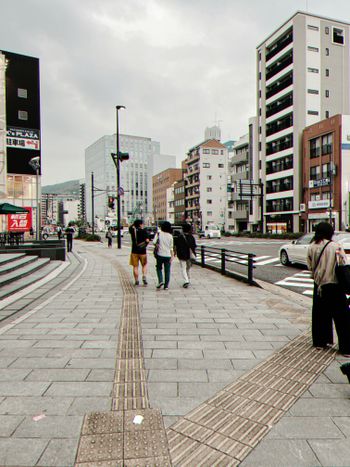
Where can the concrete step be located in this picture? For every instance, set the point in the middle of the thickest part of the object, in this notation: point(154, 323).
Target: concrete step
point(17, 264)
point(23, 271)
point(8, 257)
point(43, 269)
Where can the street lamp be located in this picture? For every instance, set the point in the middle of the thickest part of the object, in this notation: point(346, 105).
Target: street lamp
point(35, 165)
point(116, 159)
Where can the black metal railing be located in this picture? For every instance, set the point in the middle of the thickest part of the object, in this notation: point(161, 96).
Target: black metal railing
point(228, 260)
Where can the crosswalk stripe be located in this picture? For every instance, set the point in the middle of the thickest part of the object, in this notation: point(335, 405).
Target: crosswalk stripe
point(295, 284)
point(308, 292)
point(268, 261)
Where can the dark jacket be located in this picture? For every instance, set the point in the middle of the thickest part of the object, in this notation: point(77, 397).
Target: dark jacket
point(183, 244)
point(138, 239)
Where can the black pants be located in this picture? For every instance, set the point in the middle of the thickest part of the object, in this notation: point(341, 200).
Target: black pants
point(69, 242)
point(330, 306)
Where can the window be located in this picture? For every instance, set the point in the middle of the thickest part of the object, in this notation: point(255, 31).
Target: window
point(22, 115)
point(327, 93)
point(312, 70)
point(221, 166)
point(215, 151)
point(206, 151)
point(327, 71)
point(209, 189)
point(209, 177)
point(312, 49)
point(222, 152)
point(23, 93)
point(206, 165)
point(326, 114)
point(209, 213)
point(313, 91)
point(326, 30)
point(209, 201)
point(338, 36)
point(312, 112)
point(312, 27)
point(327, 51)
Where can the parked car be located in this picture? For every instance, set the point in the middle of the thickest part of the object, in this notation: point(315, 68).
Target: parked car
point(296, 251)
point(115, 232)
point(210, 231)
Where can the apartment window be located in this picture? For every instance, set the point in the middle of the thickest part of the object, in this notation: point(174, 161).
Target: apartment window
point(312, 49)
point(222, 152)
point(312, 70)
point(338, 36)
point(327, 51)
point(206, 165)
point(209, 177)
point(326, 114)
point(312, 27)
point(209, 201)
point(206, 151)
point(313, 91)
point(312, 112)
point(22, 115)
point(326, 30)
point(315, 172)
point(23, 93)
point(215, 151)
point(327, 93)
point(209, 189)
point(221, 166)
point(327, 71)
point(209, 213)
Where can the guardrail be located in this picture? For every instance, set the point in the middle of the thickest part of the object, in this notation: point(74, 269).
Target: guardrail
point(226, 258)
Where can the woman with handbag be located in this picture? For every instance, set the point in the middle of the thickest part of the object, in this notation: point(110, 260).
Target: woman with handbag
point(329, 299)
point(164, 246)
point(185, 250)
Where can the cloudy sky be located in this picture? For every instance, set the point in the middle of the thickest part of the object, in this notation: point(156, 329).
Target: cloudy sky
point(177, 65)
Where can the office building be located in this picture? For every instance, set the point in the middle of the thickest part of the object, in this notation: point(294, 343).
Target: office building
point(161, 182)
point(19, 133)
point(303, 77)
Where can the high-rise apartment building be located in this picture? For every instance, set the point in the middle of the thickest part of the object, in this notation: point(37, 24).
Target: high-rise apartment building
point(135, 174)
point(303, 77)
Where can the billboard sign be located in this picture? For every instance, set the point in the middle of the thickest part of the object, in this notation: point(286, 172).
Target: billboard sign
point(23, 138)
point(20, 222)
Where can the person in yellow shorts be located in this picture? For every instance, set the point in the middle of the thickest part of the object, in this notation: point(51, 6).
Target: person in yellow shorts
point(139, 242)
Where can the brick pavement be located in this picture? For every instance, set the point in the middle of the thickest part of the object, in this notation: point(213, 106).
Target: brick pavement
point(59, 365)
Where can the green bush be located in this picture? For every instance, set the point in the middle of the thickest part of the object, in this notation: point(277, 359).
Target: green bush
point(92, 238)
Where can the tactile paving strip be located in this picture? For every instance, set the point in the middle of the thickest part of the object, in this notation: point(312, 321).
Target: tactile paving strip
point(117, 438)
point(236, 419)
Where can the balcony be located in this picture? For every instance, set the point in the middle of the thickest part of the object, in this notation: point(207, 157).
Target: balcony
point(279, 85)
point(239, 158)
point(240, 176)
point(279, 105)
point(279, 167)
point(240, 215)
point(273, 50)
point(279, 65)
point(279, 125)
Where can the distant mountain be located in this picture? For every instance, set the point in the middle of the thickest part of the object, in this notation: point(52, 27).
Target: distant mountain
point(70, 188)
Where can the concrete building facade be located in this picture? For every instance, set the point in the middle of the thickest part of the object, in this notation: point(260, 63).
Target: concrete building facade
point(161, 182)
point(303, 77)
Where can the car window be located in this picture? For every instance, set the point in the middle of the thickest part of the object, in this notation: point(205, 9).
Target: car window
point(305, 239)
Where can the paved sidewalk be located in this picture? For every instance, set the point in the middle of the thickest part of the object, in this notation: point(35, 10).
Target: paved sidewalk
point(199, 344)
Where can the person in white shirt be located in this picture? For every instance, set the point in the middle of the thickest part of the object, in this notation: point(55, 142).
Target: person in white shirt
point(164, 245)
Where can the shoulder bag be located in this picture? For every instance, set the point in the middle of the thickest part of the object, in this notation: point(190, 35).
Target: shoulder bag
point(156, 247)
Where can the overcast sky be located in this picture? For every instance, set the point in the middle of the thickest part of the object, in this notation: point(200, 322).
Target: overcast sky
point(177, 65)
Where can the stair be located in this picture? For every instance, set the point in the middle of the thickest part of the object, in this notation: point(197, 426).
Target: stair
point(18, 271)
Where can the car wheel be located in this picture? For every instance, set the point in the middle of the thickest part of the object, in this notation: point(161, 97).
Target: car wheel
point(284, 258)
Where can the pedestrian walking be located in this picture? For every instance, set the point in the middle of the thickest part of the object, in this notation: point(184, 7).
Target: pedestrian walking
point(59, 232)
point(164, 245)
point(139, 242)
point(109, 237)
point(329, 299)
point(69, 236)
point(185, 249)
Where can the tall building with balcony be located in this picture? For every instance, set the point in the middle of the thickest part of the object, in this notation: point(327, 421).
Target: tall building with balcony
point(206, 184)
point(326, 173)
point(303, 77)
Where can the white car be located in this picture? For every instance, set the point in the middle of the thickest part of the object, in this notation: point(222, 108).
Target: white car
point(211, 231)
point(296, 251)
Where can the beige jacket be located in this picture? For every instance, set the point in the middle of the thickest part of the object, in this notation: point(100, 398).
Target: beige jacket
point(325, 272)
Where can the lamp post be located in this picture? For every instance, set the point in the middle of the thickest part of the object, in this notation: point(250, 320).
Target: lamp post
point(116, 159)
point(35, 164)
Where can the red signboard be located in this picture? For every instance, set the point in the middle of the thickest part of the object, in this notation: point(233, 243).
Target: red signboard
point(20, 222)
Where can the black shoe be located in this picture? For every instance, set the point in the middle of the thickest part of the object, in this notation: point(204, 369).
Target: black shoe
point(186, 284)
point(137, 283)
point(144, 280)
point(160, 285)
point(345, 369)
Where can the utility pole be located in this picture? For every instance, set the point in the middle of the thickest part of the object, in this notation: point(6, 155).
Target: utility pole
point(92, 204)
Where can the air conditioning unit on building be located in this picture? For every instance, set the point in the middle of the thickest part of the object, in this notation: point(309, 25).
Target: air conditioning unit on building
point(302, 207)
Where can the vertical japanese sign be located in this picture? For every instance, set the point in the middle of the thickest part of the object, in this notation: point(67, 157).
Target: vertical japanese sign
point(20, 222)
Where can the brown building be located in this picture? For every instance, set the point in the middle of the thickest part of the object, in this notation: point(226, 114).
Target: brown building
point(326, 173)
point(161, 182)
point(179, 201)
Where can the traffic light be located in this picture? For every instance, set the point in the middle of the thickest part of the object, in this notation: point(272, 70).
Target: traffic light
point(123, 156)
point(110, 202)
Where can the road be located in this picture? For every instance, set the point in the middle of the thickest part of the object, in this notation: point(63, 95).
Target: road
point(267, 264)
